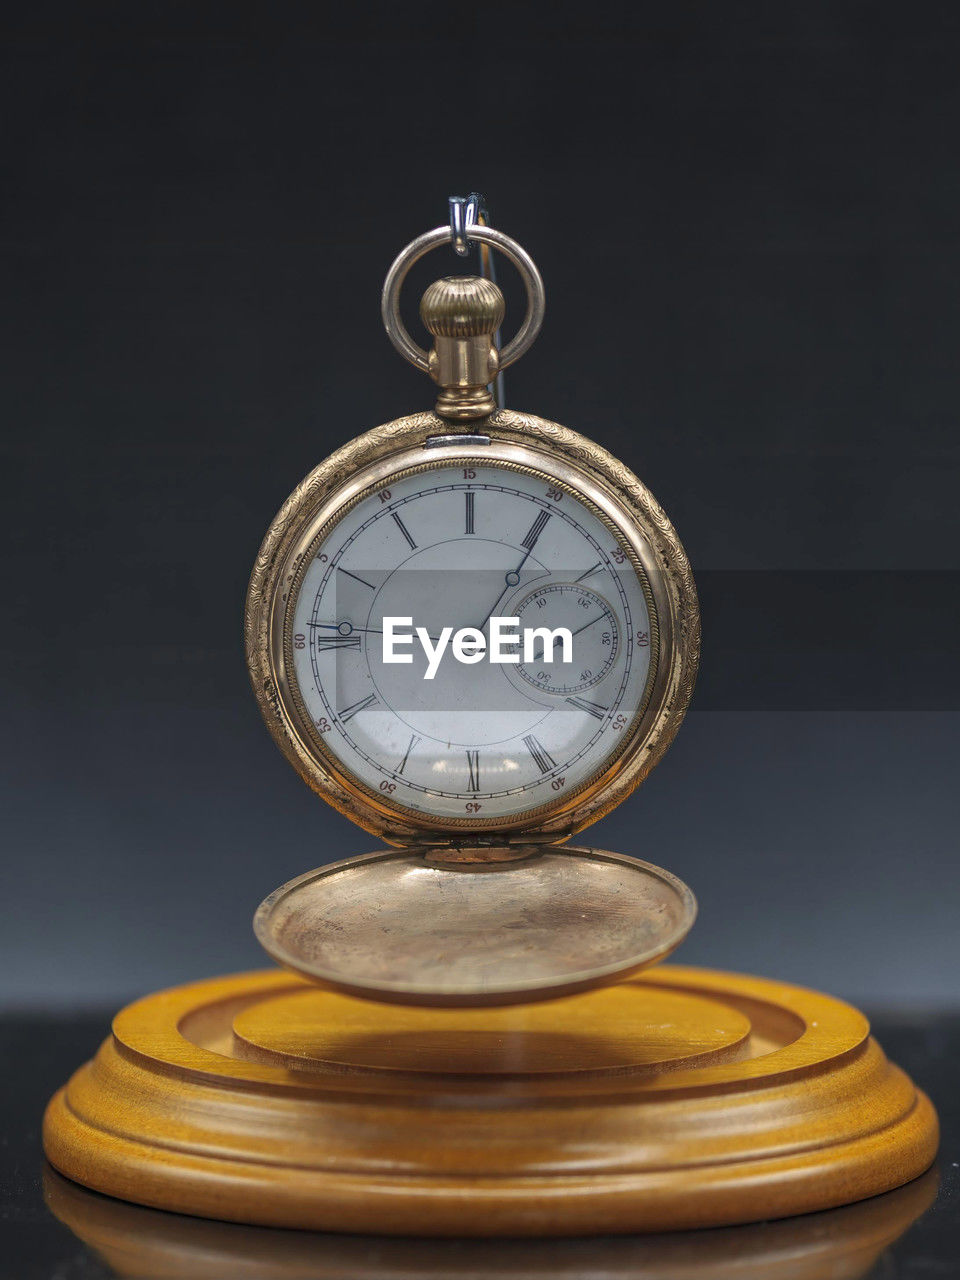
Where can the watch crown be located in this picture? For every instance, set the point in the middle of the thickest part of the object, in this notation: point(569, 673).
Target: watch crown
point(463, 313)
point(462, 307)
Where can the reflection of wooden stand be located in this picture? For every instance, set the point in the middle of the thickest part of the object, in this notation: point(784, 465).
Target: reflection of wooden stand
point(683, 1098)
point(841, 1244)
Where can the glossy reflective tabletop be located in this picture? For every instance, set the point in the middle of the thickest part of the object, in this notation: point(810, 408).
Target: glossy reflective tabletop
point(52, 1228)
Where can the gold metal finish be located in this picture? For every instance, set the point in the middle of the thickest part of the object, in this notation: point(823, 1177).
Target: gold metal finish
point(525, 443)
point(474, 910)
point(392, 927)
point(436, 239)
point(463, 313)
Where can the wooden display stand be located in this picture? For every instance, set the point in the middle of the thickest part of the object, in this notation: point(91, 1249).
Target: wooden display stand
point(682, 1098)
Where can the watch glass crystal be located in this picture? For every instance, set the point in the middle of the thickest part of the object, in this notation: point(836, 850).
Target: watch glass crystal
point(470, 641)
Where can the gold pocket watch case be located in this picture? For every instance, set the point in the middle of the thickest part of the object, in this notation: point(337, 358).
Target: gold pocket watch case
point(397, 927)
point(479, 772)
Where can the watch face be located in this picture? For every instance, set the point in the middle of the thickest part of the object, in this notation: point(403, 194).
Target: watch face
point(469, 641)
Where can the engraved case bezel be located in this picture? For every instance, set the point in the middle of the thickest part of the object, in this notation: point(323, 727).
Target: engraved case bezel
point(522, 442)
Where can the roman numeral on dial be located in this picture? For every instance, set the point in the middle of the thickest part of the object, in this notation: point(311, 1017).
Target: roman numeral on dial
point(535, 530)
point(544, 760)
point(404, 530)
point(342, 643)
point(414, 739)
point(473, 768)
point(470, 502)
point(349, 712)
point(591, 708)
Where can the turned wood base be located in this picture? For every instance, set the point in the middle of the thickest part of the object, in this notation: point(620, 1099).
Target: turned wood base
point(682, 1098)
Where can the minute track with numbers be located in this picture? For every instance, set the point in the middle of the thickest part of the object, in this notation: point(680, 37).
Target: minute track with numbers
point(380, 648)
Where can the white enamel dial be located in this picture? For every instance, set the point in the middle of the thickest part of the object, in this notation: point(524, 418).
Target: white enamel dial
point(453, 546)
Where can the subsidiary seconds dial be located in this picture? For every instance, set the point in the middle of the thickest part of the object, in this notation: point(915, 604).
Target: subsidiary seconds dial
point(594, 637)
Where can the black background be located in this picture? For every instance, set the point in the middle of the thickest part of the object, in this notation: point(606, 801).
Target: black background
point(747, 219)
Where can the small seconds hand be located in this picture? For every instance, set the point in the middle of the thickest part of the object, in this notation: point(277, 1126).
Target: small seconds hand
point(538, 656)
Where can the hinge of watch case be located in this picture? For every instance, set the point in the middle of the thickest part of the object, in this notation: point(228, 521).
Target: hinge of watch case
point(484, 848)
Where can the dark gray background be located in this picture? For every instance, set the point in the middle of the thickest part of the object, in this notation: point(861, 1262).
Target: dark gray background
point(748, 218)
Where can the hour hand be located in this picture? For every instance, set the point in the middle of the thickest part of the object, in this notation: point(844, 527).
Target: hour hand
point(510, 580)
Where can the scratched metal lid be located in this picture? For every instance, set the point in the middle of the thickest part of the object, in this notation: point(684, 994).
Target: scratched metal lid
point(397, 926)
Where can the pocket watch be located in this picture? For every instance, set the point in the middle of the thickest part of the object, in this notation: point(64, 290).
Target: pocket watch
point(474, 632)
